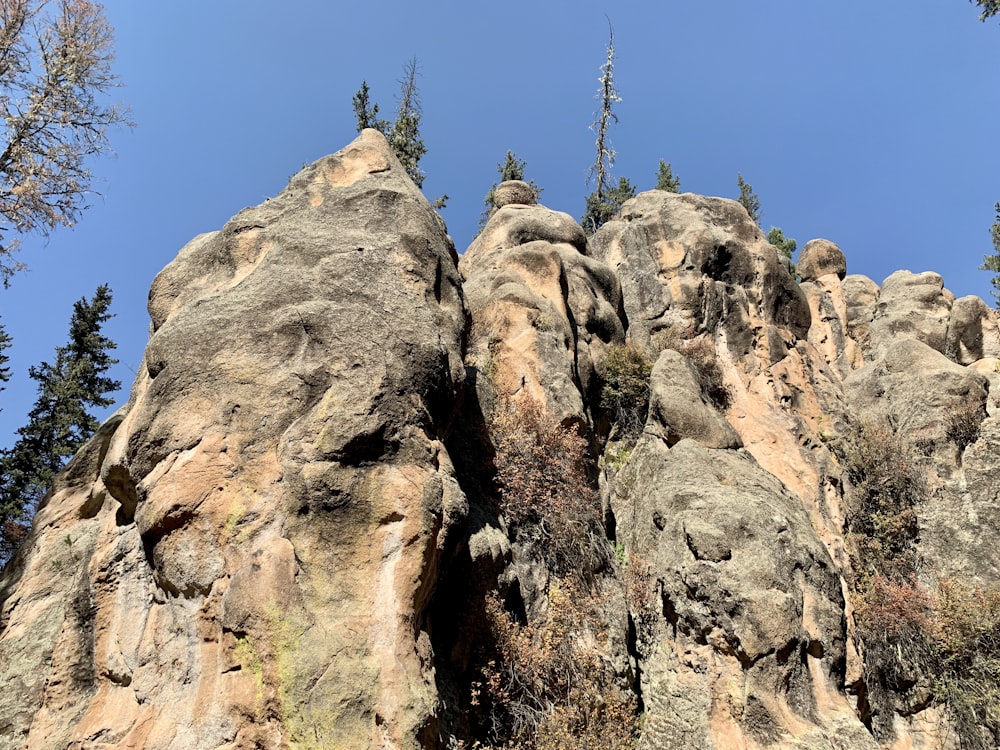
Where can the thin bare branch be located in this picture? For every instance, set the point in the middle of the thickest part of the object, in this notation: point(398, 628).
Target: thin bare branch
point(55, 75)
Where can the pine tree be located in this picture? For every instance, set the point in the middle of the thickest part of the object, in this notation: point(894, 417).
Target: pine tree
point(992, 262)
point(5, 342)
point(367, 112)
point(605, 201)
point(748, 199)
point(600, 211)
point(786, 246)
point(666, 180)
point(59, 423)
point(405, 136)
point(404, 133)
point(990, 8)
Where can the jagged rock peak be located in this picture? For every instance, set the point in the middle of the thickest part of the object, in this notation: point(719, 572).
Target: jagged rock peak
point(245, 556)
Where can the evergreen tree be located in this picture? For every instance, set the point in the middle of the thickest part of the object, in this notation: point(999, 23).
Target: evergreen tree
point(367, 112)
point(5, 342)
point(606, 200)
point(404, 133)
point(989, 8)
point(601, 211)
point(748, 199)
point(405, 136)
point(59, 423)
point(666, 180)
point(786, 246)
point(511, 168)
point(992, 262)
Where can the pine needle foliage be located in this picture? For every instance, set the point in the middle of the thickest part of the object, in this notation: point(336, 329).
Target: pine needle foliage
point(403, 134)
point(511, 168)
point(748, 199)
point(5, 343)
point(60, 421)
point(666, 179)
point(989, 8)
point(786, 246)
point(991, 262)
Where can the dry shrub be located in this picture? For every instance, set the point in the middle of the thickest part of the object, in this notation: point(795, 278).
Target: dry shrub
point(965, 626)
point(893, 620)
point(543, 488)
point(548, 686)
point(947, 641)
point(891, 608)
point(963, 423)
point(641, 597)
point(701, 353)
point(626, 388)
point(886, 486)
point(12, 535)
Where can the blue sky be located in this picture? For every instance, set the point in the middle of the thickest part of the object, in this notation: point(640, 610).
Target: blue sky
point(872, 124)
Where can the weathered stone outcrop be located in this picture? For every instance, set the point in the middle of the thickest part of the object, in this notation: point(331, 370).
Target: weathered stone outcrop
point(821, 258)
point(750, 648)
point(248, 559)
point(698, 276)
point(293, 535)
point(697, 273)
point(543, 311)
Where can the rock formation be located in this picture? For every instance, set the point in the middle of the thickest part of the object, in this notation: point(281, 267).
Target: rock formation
point(298, 532)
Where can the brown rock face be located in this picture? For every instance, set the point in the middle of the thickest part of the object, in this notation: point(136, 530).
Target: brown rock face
point(698, 276)
point(821, 258)
point(543, 311)
point(751, 644)
point(247, 555)
point(301, 532)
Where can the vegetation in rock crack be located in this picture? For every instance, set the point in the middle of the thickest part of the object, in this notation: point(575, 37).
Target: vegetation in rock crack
point(666, 179)
point(543, 487)
point(60, 422)
point(991, 262)
point(511, 168)
point(55, 71)
point(404, 132)
point(943, 639)
point(748, 199)
point(625, 394)
point(701, 353)
point(607, 199)
point(546, 685)
point(963, 423)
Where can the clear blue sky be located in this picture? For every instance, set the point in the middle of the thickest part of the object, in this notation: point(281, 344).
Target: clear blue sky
point(872, 124)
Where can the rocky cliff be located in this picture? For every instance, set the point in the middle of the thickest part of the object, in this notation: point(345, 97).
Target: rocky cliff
point(643, 489)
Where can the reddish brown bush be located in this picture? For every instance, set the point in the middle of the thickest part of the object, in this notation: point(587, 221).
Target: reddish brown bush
point(543, 488)
point(548, 686)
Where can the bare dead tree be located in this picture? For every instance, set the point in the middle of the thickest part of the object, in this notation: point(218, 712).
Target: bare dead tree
point(601, 171)
point(55, 73)
point(607, 198)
